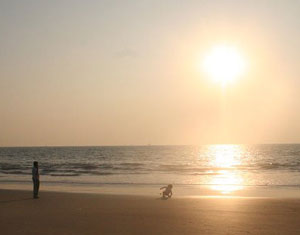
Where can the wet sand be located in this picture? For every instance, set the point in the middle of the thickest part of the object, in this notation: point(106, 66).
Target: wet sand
point(74, 213)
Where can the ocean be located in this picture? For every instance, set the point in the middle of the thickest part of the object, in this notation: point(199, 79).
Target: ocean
point(223, 169)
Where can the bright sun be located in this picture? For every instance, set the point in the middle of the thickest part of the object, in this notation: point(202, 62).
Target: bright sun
point(224, 64)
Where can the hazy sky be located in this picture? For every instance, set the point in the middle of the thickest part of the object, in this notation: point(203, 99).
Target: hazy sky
point(125, 72)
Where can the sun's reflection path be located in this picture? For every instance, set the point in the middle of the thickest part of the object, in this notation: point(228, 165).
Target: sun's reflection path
point(227, 182)
point(224, 159)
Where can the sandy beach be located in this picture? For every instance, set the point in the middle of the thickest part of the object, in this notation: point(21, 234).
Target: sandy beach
point(74, 213)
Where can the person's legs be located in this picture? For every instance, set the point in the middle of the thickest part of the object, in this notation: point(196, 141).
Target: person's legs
point(35, 188)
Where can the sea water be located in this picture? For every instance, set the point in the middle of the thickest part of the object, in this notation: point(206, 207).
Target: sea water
point(221, 169)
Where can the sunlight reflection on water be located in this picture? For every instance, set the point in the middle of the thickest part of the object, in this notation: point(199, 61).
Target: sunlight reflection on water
point(227, 180)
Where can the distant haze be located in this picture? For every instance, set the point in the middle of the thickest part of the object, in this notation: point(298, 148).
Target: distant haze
point(125, 72)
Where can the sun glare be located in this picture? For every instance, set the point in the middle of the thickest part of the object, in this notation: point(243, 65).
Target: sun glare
point(224, 64)
point(226, 158)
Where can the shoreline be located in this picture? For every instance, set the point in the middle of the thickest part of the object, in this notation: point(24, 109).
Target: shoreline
point(84, 213)
point(180, 191)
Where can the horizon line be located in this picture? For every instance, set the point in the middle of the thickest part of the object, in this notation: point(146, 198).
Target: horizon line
point(140, 145)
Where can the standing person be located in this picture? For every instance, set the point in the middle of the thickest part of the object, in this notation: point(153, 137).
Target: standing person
point(35, 179)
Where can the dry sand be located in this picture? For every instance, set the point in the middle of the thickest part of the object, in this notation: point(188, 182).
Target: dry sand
point(70, 213)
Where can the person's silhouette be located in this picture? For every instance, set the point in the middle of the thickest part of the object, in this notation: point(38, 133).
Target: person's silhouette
point(35, 179)
point(167, 193)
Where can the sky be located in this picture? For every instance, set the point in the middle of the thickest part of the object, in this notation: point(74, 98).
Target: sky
point(127, 72)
